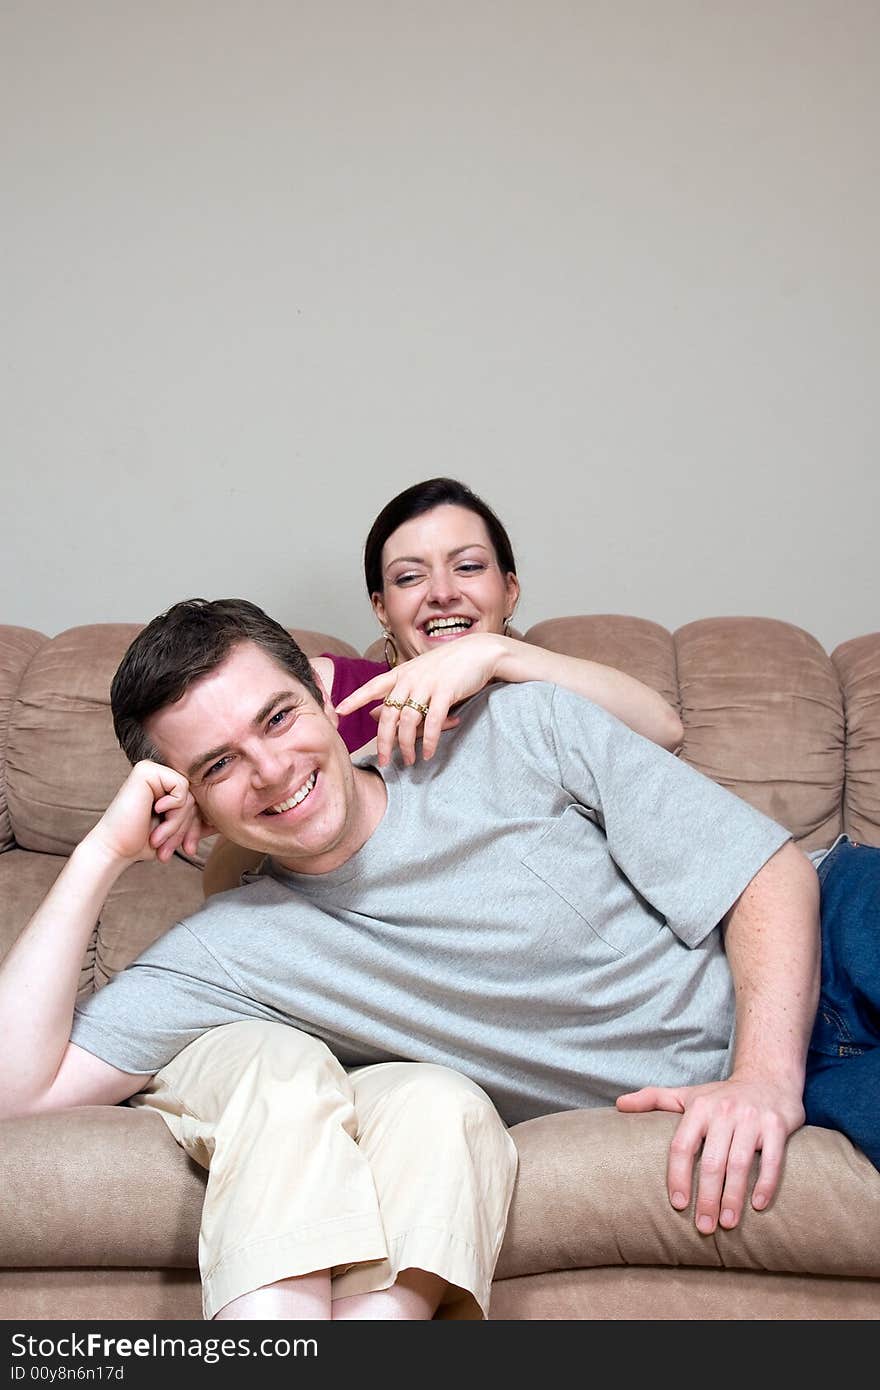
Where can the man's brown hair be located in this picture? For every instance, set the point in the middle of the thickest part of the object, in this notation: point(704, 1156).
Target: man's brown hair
point(181, 646)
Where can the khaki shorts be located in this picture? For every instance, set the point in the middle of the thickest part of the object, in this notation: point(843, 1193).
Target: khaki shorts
point(402, 1165)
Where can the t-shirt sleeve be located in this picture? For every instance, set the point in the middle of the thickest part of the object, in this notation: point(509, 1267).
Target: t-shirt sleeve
point(349, 674)
point(167, 998)
point(689, 846)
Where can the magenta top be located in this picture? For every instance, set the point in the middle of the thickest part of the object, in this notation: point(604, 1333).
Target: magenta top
point(349, 674)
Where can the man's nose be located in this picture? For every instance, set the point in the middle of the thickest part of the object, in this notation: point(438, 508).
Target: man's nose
point(269, 766)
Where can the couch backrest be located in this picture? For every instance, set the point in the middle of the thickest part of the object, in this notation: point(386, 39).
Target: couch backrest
point(17, 647)
point(766, 713)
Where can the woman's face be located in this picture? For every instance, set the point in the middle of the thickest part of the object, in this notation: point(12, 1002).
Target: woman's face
point(441, 580)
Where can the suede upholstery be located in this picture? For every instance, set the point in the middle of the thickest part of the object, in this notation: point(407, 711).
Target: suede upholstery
point(101, 1210)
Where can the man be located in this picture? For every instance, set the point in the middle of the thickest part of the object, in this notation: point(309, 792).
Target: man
point(551, 905)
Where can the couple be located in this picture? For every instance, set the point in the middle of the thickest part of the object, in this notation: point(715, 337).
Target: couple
point(549, 912)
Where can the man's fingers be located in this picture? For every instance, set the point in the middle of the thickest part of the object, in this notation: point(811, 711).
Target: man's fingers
point(772, 1154)
point(726, 1123)
point(714, 1165)
point(178, 824)
point(651, 1098)
point(766, 1135)
point(683, 1150)
point(745, 1142)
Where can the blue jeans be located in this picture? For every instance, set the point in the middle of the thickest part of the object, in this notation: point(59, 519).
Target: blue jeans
point(843, 1066)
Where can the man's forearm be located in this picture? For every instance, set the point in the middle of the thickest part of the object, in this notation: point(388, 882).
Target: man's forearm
point(772, 939)
point(39, 977)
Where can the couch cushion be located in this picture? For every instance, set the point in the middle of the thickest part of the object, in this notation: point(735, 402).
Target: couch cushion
point(17, 646)
point(108, 1185)
point(141, 905)
point(314, 643)
point(858, 666)
point(65, 765)
point(591, 1191)
point(763, 715)
point(650, 1294)
point(640, 648)
point(25, 879)
point(97, 1185)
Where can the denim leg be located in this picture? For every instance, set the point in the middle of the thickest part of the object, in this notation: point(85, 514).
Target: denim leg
point(844, 1093)
point(843, 1066)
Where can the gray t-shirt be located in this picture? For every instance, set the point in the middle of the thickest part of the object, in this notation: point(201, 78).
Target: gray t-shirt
point(537, 908)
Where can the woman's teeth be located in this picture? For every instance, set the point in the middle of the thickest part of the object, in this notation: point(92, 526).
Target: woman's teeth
point(437, 625)
point(294, 800)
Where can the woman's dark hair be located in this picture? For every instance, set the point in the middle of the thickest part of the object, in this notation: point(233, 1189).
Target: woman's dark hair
point(179, 647)
point(424, 497)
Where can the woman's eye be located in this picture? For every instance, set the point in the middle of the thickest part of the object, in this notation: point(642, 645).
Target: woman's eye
point(403, 579)
point(470, 567)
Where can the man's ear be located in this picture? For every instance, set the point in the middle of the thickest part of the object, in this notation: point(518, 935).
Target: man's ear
point(328, 703)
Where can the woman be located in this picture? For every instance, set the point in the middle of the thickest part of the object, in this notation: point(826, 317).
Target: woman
point(439, 567)
point(268, 1108)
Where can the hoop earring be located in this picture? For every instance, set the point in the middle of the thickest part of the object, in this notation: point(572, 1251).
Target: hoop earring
point(506, 629)
point(390, 650)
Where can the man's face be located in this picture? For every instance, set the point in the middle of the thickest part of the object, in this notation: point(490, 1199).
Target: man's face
point(265, 763)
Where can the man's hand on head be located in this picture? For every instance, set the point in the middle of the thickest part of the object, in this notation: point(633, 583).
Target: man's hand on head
point(152, 815)
point(729, 1121)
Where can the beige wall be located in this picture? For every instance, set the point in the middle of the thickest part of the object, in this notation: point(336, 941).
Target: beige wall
point(613, 264)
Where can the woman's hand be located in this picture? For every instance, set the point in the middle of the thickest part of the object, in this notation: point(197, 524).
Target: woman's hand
point(437, 680)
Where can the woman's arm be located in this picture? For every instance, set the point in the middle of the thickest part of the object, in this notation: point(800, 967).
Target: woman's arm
point(442, 678)
point(635, 704)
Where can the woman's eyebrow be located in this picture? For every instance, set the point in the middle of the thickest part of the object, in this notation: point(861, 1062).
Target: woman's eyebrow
point(450, 555)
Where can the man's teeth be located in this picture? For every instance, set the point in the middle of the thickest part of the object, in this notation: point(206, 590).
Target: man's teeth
point(447, 625)
point(297, 797)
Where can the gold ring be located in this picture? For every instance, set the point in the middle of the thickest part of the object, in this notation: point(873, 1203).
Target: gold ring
point(394, 704)
point(414, 704)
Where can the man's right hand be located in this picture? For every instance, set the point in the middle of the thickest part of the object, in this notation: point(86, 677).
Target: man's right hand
point(152, 815)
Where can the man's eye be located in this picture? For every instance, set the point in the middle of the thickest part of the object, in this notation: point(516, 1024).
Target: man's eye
point(278, 718)
point(212, 771)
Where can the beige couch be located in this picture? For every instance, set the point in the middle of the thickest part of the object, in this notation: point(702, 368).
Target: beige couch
point(100, 1209)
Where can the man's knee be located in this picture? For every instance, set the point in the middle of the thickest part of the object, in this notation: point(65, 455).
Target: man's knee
point(253, 1053)
point(428, 1096)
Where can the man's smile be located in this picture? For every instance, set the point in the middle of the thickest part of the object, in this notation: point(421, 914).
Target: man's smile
point(296, 799)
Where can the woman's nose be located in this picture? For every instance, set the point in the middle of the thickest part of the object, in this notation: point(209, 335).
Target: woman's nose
point(442, 587)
